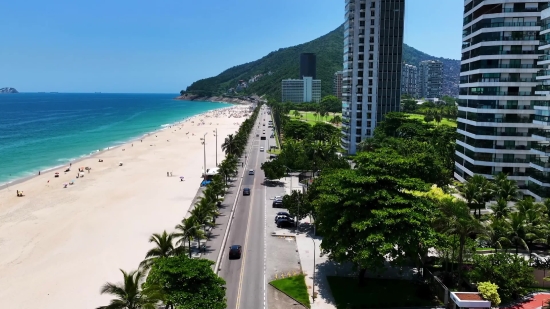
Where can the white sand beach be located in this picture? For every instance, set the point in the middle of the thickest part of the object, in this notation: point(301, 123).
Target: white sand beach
point(59, 245)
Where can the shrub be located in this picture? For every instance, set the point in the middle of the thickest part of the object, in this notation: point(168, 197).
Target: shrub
point(489, 292)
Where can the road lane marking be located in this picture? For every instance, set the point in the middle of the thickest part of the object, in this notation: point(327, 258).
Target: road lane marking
point(243, 264)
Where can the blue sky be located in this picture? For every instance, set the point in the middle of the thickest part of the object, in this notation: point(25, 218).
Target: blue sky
point(163, 46)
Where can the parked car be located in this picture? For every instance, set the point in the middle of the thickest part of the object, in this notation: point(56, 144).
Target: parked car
point(278, 204)
point(272, 136)
point(235, 252)
point(246, 191)
point(284, 223)
point(261, 148)
point(251, 172)
point(283, 213)
point(277, 218)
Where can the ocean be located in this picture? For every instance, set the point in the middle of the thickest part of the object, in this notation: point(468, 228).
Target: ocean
point(40, 131)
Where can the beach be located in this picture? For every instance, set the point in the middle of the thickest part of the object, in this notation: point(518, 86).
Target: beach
point(59, 245)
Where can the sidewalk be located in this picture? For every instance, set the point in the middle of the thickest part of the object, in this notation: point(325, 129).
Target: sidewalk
point(310, 258)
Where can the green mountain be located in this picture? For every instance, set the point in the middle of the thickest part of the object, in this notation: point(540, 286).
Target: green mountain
point(285, 63)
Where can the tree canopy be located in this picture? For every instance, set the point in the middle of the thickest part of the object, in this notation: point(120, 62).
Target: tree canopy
point(187, 283)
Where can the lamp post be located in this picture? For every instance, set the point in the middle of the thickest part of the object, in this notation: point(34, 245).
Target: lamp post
point(216, 135)
point(313, 285)
point(203, 139)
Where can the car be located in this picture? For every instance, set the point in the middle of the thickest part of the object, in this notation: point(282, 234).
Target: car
point(261, 148)
point(277, 197)
point(235, 252)
point(263, 124)
point(284, 223)
point(278, 204)
point(272, 136)
point(277, 218)
point(251, 172)
point(272, 147)
point(246, 191)
point(272, 156)
point(283, 213)
point(262, 138)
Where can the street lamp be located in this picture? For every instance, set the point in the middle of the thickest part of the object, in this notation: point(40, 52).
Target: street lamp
point(313, 285)
point(216, 135)
point(203, 139)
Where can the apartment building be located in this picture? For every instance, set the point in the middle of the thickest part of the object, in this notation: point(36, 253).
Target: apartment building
point(409, 77)
point(373, 48)
point(430, 79)
point(302, 90)
point(502, 113)
point(337, 85)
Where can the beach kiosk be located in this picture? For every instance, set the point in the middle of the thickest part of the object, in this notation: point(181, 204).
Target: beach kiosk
point(468, 300)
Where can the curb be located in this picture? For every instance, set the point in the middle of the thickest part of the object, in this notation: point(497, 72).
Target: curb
point(289, 296)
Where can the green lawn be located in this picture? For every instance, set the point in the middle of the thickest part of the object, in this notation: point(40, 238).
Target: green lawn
point(444, 121)
point(310, 118)
point(295, 287)
point(377, 293)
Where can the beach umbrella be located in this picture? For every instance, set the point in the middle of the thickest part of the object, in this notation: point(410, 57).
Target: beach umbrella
point(181, 177)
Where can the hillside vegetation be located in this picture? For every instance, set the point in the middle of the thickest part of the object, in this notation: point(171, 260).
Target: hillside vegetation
point(285, 63)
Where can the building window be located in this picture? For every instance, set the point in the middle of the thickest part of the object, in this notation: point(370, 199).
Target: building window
point(371, 56)
point(371, 22)
point(361, 24)
point(371, 30)
point(362, 15)
point(371, 48)
point(369, 99)
point(372, 13)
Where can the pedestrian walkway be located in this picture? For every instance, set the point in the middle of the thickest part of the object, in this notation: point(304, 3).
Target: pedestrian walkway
point(534, 301)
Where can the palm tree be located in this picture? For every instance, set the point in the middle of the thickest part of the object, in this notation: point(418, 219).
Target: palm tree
point(228, 145)
point(164, 247)
point(188, 229)
point(462, 224)
point(336, 120)
point(296, 113)
point(506, 188)
point(128, 294)
point(517, 231)
point(501, 210)
point(495, 233)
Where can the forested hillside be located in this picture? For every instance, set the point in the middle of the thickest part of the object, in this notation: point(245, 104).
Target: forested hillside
point(285, 63)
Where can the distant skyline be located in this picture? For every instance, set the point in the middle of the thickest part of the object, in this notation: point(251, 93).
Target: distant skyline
point(142, 46)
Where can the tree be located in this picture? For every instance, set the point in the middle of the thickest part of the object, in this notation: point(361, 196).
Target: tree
point(489, 291)
point(368, 215)
point(182, 92)
point(273, 169)
point(501, 209)
point(336, 120)
point(512, 274)
point(129, 294)
point(331, 104)
point(188, 229)
point(187, 283)
point(296, 114)
point(297, 205)
point(164, 247)
point(429, 118)
point(323, 132)
point(297, 130)
point(408, 105)
point(230, 145)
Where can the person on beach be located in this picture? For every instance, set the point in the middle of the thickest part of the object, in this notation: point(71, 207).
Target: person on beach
point(167, 174)
point(39, 173)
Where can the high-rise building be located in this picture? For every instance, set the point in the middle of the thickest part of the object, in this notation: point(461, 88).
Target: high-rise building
point(409, 80)
point(337, 85)
point(430, 79)
point(302, 90)
point(502, 121)
point(308, 65)
point(373, 48)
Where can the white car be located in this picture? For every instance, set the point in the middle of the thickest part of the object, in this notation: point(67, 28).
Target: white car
point(261, 148)
point(251, 172)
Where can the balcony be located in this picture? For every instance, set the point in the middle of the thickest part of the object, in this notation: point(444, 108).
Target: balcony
point(542, 192)
point(542, 164)
point(483, 25)
point(499, 66)
point(540, 176)
point(498, 93)
point(542, 88)
point(541, 134)
point(541, 148)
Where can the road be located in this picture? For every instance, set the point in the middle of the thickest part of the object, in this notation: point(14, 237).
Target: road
point(245, 277)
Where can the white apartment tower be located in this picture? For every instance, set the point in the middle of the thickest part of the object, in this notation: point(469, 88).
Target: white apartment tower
point(409, 80)
point(302, 90)
point(430, 79)
point(501, 119)
point(373, 48)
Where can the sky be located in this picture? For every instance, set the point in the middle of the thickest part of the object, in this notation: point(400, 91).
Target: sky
point(163, 46)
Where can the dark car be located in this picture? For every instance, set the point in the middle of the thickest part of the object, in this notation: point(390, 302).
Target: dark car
point(235, 252)
point(283, 213)
point(280, 217)
point(277, 204)
point(284, 223)
point(246, 191)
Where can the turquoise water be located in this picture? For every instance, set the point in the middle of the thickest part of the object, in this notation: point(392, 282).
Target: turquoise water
point(39, 131)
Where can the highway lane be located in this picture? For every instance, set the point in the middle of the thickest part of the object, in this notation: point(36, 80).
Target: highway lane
point(245, 279)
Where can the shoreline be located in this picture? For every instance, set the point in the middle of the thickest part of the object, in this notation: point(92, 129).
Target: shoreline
point(102, 222)
point(81, 158)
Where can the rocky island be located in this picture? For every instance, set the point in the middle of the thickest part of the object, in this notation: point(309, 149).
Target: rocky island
point(8, 90)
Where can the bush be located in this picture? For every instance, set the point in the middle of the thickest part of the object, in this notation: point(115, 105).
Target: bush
point(489, 292)
point(512, 274)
